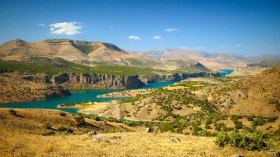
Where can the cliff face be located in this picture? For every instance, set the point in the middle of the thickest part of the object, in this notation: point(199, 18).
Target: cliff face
point(15, 87)
point(86, 80)
point(180, 76)
point(80, 80)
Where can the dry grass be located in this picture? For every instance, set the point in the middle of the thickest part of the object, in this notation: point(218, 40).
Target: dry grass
point(18, 138)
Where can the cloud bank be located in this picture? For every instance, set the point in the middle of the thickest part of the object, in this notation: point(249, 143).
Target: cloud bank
point(67, 28)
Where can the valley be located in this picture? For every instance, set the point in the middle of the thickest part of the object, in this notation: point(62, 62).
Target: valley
point(64, 89)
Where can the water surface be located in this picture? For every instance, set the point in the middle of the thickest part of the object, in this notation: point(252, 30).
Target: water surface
point(82, 95)
point(78, 95)
point(225, 72)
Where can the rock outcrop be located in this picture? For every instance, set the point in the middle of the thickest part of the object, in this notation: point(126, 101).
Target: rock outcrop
point(180, 76)
point(17, 87)
point(85, 80)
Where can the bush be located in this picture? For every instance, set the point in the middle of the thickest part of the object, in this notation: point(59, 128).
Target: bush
point(272, 119)
point(65, 129)
point(47, 125)
point(13, 112)
point(79, 119)
point(63, 114)
point(238, 125)
point(250, 118)
point(111, 119)
point(259, 121)
point(250, 139)
point(96, 117)
point(48, 133)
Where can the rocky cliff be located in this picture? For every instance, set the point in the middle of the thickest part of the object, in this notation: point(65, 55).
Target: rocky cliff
point(179, 76)
point(14, 88)
point(85, 80)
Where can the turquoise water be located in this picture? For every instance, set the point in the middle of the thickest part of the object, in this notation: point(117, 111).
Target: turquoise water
point(157, 84)
point(78, 95)
point(82, 95)
point(225, 72)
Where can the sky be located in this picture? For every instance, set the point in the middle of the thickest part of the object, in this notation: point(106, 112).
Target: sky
point(250, 27)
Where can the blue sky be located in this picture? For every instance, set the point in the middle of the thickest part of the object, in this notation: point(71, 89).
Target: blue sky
point(240, 26)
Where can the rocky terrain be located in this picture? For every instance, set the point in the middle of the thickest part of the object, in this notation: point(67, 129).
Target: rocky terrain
point(15, 88)
point(257, 94)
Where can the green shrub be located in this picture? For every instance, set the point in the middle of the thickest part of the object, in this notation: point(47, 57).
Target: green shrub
point(65, 129)
point(250, 139)
point(63, 114)
point(250, 118)
point(48, 133)
point(13, 112)
point(238, 125)
point(272, 119)
point(80, 120)
point(96, 117)
point(259, 121)
point(111, 119)
point(47, 125)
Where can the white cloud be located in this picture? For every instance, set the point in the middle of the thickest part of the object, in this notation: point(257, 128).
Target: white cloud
point(67, 28)
point(134, 37)
point(41, 25)
point(157, 37)
point(171, 29)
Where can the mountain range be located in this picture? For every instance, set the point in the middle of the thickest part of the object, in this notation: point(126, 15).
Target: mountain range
point(213, 61)
point(87, 53)
point(99, 53)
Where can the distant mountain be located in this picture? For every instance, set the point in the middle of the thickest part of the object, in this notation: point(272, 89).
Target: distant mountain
point(213, 61)
point(71, 50)
point(93, 54)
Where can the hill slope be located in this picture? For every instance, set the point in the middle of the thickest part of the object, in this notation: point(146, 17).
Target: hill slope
point(22, 136)
point(258, 94)
point(91, 54)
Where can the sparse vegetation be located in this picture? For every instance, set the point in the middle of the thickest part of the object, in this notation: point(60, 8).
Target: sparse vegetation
point(79, 119)
point(250, 138)
point(13, 112)
point(65, 129)
point(48, 133)
point(47, 125)
point(61, 113)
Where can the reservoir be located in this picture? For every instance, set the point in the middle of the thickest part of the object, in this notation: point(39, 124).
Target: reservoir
point(83, 95)
point(78, 95)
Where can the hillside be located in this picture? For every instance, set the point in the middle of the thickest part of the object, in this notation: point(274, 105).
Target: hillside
point(25, 134)
point(257, 94)
point(90, 54)
point(201, 106)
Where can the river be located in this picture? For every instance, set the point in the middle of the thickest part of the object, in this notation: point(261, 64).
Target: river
point(82, 95)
